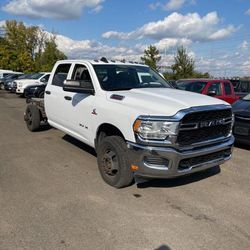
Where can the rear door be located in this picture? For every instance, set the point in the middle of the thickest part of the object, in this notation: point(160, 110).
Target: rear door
point(54, 96)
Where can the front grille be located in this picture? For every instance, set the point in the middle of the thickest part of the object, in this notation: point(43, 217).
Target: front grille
point(196, 161)
point(198, 134)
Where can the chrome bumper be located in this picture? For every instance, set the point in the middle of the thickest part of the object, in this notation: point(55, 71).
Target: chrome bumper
point(173, 158)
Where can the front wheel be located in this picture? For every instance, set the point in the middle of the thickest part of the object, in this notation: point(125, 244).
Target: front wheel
point(2, 86)
point(113, 162)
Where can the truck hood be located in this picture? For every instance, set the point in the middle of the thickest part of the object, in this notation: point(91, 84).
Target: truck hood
point(28, 82)
point(162, 101)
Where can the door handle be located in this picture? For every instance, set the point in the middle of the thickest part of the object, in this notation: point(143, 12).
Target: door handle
point(47, 92)
point(68, 98)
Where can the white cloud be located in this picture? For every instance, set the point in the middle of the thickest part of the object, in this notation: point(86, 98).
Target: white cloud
point(223, 33)
point(174, 4)
point(191, 26)
point(60, 9)
point(247, 12)
point(171, 4)
point(92, 49)
point(2, 24)
point(172, 43)
point(244, 45)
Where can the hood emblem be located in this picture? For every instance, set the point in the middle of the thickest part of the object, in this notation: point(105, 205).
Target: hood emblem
point(94, 112)
point(206, 124)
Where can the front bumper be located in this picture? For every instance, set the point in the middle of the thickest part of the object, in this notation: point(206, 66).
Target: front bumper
point(167, 162)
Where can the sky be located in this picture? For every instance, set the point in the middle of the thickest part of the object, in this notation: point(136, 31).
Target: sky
point(216, 33)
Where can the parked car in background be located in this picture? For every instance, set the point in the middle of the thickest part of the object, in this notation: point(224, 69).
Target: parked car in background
point(36, 79)
point(35, 91)
point(221, 89)
point(12, 85)
point(241, 110)
point(8, 79)
point(242, 88)
point(4, 73)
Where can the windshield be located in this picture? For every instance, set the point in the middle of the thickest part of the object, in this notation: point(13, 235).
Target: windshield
point(125, 77)
point(196, 87)
point(36, 76)
point(246, 98)
point(9, 77)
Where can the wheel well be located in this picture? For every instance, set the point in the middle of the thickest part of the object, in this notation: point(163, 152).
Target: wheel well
point(107, 129)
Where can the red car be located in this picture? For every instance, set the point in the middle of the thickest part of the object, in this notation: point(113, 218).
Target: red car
point(222, 89)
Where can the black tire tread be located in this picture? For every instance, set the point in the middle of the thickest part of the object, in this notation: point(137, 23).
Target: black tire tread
point(125, 173)
point(36, 118)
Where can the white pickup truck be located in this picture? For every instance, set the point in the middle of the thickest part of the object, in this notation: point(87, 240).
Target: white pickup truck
point(139, 126)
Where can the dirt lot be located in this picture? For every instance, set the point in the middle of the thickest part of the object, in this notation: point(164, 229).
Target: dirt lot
point(52, 197)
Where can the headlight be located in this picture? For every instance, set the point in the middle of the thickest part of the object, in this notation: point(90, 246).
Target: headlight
point(155, 130)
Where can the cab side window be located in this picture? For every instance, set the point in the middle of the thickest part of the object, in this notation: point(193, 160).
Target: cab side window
point(216, 86)
point(228, 90)
point(61, 74)
point(45, 78)
point(81, 73)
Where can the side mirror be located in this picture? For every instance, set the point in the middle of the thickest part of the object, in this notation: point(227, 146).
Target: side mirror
point(211, 93)
point(43, 80)
point(85, 87)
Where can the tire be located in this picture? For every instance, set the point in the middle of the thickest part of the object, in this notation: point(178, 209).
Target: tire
point(28, 100)
point(41, 95)
point(113, 162)
point(33, 118)
point(2, 86)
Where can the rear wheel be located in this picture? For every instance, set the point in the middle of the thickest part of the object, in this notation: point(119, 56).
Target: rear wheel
point(113, 162)
point(1, 86)
point(32, 118)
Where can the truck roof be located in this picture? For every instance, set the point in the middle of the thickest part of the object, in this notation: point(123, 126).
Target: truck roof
point(103, 62)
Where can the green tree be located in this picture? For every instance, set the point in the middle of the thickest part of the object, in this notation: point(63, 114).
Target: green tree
point(27, 48)
point(21, 44)
point(151, 56)
point(50, 55)
point(184, 64)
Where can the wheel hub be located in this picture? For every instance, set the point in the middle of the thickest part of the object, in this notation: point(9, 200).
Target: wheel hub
point(109, 163)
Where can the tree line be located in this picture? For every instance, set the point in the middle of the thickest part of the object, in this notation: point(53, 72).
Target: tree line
point(27, 48)
point(30, 49)
point(183, 67)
